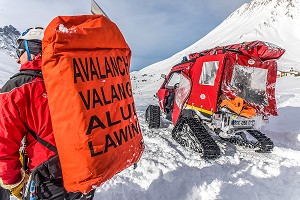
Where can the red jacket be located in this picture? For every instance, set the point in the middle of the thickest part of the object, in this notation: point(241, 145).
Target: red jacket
point(23, 105)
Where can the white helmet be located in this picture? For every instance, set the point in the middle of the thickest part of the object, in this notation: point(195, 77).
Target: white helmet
point(36, 33)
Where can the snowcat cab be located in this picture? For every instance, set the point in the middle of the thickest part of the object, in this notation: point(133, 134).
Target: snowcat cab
point(228, 91)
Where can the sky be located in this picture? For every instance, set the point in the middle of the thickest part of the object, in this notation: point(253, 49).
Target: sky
point(154, 30)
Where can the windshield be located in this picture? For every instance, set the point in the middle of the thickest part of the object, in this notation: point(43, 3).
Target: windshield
point(250, 83)
point(173, 80)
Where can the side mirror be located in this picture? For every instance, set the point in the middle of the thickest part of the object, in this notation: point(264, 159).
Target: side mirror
point(163, 76)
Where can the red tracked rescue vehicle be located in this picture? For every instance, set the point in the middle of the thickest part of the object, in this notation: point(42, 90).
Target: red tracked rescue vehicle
point(226, 91)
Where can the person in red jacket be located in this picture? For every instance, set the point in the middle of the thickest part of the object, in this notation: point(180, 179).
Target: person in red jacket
point(25, 116)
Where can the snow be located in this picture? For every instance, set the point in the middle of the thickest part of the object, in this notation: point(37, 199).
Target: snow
point(170, 172)
point(64, 29)
point(8, 67)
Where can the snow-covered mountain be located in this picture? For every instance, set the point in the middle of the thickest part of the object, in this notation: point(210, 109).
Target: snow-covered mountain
point(274, 21)
point(8, 46)
point(8, 38)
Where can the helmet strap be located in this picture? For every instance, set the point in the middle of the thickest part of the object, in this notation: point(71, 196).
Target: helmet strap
point(27, 50)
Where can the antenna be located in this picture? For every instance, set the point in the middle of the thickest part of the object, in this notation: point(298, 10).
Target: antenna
point(96, 10)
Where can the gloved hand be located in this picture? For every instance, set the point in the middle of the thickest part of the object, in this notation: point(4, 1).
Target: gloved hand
point(17, 191)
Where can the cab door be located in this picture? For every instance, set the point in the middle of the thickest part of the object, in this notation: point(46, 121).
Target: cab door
point(206, 75)
point(182, 93)
point(167, 89)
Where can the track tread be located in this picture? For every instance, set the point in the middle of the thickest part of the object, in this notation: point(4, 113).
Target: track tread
point(263, 144)
point(153, 116)
point(210, 149)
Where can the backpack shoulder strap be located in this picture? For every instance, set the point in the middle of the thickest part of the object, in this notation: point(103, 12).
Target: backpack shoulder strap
point(21, 78)
point(33, 73)
point(42, 141)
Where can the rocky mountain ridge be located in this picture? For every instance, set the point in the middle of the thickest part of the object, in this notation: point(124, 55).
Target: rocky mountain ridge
point(8, 37)
point(291, 7)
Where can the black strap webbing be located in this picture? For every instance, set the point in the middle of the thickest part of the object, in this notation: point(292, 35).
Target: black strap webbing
point(32, 73)
point(42, 141)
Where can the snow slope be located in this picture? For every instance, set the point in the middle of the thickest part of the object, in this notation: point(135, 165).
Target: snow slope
point(8, 67)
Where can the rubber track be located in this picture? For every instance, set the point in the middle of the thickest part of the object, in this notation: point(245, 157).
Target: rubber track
point(154, 116)
point(265, 144)
point(262, 145)
point(210, 149)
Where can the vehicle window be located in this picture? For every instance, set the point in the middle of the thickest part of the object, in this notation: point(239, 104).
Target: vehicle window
point(250, 83)
point(209, 73)
point(174, 79)
point(183, 91)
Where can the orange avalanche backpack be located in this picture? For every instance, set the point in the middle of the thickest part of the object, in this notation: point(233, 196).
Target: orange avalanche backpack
point(86, 65)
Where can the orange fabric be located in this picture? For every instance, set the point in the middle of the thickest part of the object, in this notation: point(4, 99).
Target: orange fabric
point(86, 63)
point(238, 106)
point(248, 112)
point(235, 105)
